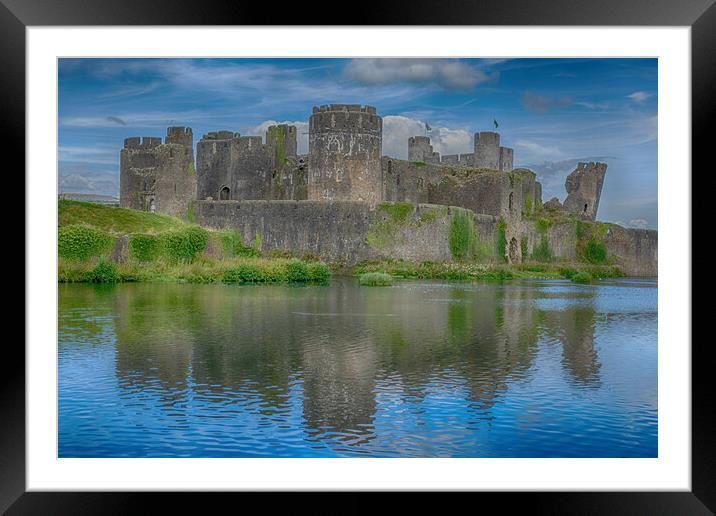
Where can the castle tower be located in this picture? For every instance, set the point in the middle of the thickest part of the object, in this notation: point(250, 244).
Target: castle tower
point(281, 139)
point(419, 149)
point(584, 188)
point(489, 154)
point(487, 150)
point(159, 177)
point(344, 156)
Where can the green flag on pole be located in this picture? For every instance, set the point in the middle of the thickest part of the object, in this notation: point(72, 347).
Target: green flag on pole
point(494, 121)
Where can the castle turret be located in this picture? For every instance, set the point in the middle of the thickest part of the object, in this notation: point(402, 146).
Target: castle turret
point(345, 146)
point(489, 154)
point(487, 150)
point(584, 188)
point(419, 149)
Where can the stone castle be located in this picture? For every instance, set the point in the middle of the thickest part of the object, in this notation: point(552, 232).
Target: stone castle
point(329, 201)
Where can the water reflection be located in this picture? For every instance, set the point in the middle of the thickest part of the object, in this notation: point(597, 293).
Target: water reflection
point(343, 368)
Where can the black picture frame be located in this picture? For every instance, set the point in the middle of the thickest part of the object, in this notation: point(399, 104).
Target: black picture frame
point(700, 15)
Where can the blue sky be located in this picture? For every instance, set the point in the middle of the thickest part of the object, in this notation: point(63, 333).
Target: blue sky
point(553, 112)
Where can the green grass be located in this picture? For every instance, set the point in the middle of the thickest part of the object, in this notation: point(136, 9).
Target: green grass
point(582, 277)
point(113, 219)
point(202, 270)
point(475, 271)
point(375, 279)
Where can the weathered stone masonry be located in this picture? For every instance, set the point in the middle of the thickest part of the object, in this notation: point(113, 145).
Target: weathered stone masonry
point(156, 176)
point(344, 151)
point(331, 202)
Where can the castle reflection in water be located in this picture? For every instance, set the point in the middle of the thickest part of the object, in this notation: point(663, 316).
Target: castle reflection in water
point(338, 348)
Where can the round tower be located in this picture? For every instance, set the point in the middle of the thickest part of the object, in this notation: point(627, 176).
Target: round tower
point(344, 150)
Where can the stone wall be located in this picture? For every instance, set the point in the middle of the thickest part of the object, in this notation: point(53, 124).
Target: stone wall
point(290, 182)
point(235, 167)
point(338, 231)
point(482, 191)
point(635, 251)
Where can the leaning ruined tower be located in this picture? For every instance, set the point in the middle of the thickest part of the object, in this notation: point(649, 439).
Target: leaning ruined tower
point(345, 147)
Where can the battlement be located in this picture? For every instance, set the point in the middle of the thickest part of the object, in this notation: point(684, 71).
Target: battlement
point(283, 128)
point(180, 135)
point(487, 138)
point(344, 107)
point(144, 142)
point(220, 135)
point(349, 118)
point(592, 167)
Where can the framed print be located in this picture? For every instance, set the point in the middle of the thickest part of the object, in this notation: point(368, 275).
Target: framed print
point(424, 257)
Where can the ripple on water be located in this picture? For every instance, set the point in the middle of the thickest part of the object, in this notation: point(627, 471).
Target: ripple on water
point(437, 369)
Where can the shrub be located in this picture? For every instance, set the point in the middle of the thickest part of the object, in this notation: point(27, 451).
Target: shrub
point(524, 247)
point(234, 245)
point(104, 272)
point(461, 235)
point(319, 272)
point(375, 279)
point(183, 245)
point(528, 205)
point(297, 271)
point(542, 252)
point(78, 242)
point(501, 239)
point(244, 273)
point(144, 248)
point(581, 277)
point(398, 211)
point(595, 251)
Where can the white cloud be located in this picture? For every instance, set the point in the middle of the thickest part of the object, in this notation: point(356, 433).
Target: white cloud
point(397, 130)
point(86, 181)
point(447, 73)
point(640, 96)
point(639, 223)
point(530, 151)
point(99, 154)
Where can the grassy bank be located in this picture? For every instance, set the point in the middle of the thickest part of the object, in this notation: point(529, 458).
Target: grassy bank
point(583, 273)
point(161, 248)
point(113, 219)
point(239, 270)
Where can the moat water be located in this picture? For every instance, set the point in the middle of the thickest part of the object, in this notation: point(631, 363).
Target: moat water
point(420, 369)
